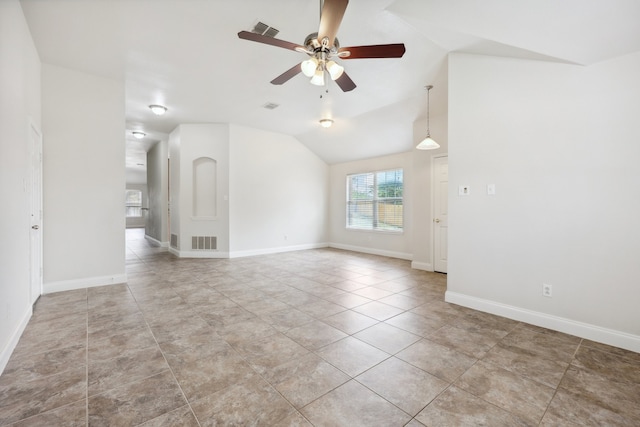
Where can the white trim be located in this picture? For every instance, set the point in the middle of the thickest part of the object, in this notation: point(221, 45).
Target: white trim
point(372, 251)
point(89, 282)
point(199, 254)
point(268, 251)
point(426, 266)
point(15, 337)
point(156, 241)
point(433, 213)
point(561, 324)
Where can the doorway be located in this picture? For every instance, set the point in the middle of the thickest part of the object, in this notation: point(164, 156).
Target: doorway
point(440, 186)
point(35, 232)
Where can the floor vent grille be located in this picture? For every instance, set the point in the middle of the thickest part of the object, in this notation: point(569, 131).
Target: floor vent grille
point(204, 243)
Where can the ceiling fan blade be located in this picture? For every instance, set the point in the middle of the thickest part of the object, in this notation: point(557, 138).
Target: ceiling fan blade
point(330, 19)
point(373, 51)
point(247, 35)
point(345, 83)
point(287, 75)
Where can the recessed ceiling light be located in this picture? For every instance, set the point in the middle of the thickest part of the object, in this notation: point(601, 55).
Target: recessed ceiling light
point(326, 123)
point(138, 135)
point(158, 110)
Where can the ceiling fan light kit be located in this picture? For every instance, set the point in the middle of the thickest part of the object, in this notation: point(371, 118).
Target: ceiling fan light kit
point(428, 143)
point(335, 70)
point(323, 46)
point(318, 77)
point(309, 67)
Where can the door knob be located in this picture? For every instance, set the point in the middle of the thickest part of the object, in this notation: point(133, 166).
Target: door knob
point(35, 227)
point(437, 220)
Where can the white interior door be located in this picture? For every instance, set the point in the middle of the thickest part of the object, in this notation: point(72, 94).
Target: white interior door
point(440, 213)
point(35, 188)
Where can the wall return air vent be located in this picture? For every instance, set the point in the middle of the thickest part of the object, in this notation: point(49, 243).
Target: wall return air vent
point(204, 243)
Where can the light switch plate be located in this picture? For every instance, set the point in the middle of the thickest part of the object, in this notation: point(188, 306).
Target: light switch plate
point(464, 190)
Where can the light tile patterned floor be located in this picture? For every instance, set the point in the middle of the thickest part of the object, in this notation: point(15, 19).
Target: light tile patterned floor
point(310, 338)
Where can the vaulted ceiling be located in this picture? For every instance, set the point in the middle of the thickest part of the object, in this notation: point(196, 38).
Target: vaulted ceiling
point(186, 55)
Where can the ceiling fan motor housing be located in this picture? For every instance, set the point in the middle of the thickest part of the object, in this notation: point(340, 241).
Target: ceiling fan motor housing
point(314, 45)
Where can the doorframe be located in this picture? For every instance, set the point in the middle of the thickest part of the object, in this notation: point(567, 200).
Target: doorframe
point(433, 211)
point(36, 145)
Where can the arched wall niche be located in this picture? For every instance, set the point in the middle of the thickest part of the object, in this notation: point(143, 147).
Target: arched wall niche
point(205, 171)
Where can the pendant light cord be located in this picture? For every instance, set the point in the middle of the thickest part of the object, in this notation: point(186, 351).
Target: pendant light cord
point(428, 107)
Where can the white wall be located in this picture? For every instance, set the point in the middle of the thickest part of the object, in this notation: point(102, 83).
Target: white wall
point(561, 144)
point(174, 186)
point(188, 143)
point(157, 184)
point(84, 146)
point(19, 104)
point(138, 222)
point(278, 193)
point(399, 245)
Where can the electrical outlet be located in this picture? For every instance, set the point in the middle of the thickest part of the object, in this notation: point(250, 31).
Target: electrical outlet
point(546, 290)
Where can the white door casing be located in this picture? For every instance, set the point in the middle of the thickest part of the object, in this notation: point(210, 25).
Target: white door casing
point(440, 212)
point(35, 196)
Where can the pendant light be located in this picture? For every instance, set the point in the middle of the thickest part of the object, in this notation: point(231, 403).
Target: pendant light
point(428, 143)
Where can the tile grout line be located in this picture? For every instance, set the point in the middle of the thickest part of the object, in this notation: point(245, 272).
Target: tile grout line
point(555, 391)
point(165, 361)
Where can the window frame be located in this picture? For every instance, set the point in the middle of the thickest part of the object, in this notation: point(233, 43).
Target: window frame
point(375, 201)
point(128, 204)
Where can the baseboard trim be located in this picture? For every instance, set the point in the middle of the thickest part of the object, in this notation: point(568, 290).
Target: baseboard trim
point(156, 241)
point(15, 337)
point(199, 254)
point(89, 282)
point(277, 250)
point(372, 251)
point(426, 266)
point(580, 329)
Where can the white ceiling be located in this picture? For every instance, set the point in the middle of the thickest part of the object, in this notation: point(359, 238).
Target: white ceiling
point(185, 54)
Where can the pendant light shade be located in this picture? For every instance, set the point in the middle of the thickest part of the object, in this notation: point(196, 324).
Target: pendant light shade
point(335, 70)
point(318, 77)
point(309, 66)
point(428, 143)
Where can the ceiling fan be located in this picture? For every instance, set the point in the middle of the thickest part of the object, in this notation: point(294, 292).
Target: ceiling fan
point(323, 46)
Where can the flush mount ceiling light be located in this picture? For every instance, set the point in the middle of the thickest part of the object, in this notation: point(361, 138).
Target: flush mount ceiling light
point(138, 135)
point(158, 110)
point(428, 143)
point(326, 123)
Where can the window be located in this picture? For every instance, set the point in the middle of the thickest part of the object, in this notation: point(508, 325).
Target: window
point(374, 201)
point(133, 203)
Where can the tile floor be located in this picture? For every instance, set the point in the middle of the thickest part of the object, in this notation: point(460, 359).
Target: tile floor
point(311, 338)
